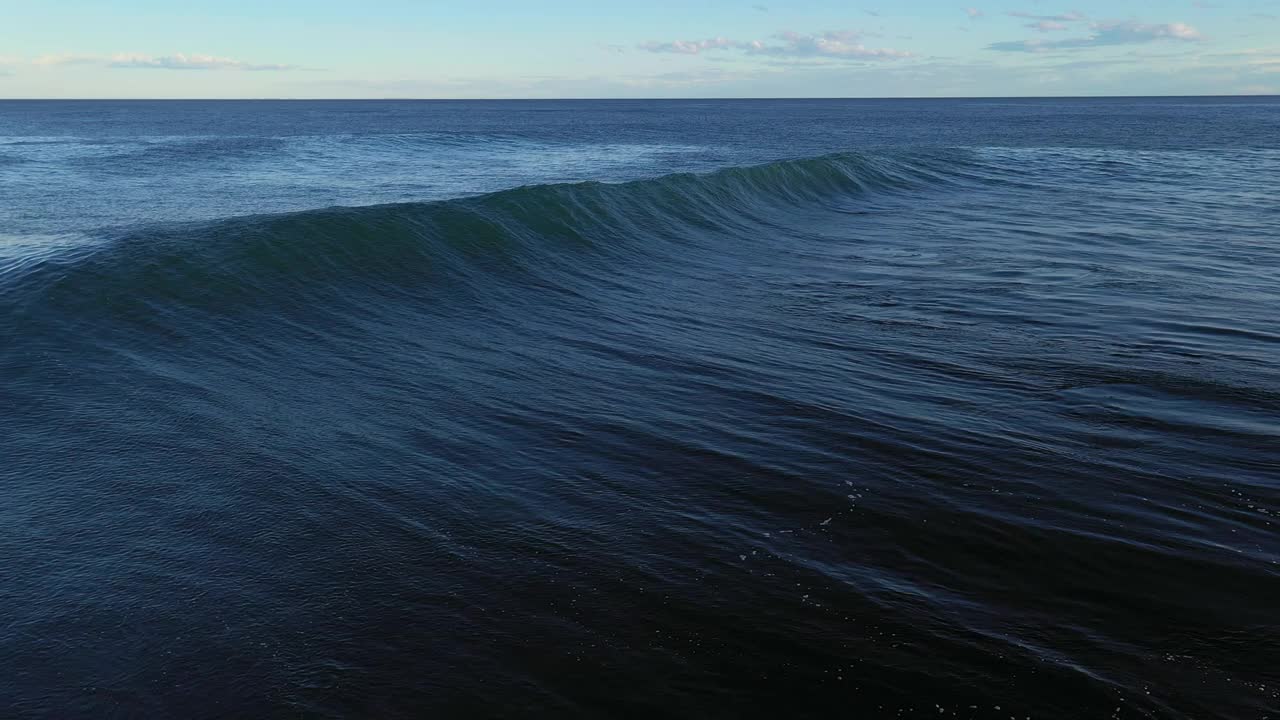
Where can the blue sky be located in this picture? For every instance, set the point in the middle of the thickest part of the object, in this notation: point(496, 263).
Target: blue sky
point(636, 48)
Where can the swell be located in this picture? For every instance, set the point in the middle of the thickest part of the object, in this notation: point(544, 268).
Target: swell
point(172, 154)
point(541, 229)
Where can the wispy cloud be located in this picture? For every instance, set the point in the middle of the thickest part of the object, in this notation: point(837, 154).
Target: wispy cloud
point(684, 78)
point(973, 13)
point(1049, 23)
point(179, 61)
point(1072, 16)
point(56, 60)
point(689, 47)
point(1107, 34)
point(1149, 69)
point(837, 44)
point(842, 44)
point(190, 62)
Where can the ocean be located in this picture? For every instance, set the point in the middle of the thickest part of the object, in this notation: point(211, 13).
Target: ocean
point(689, 409)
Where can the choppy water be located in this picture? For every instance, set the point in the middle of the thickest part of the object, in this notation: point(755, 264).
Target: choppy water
point(707, 409)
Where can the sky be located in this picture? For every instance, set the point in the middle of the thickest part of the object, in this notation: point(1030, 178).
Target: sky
point(635, 48)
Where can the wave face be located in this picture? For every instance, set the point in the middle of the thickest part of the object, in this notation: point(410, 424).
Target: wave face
point(537, 228)
point(904, 432)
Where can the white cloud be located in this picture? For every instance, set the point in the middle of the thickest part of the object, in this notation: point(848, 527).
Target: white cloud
point(180, 61)
point(1181, 31)
point(1073, 16)
point(1136, 69)
point(837, 44)
point(833, 44)
point(1107, 34)
point(187, 62)
point(973, 13)
point(689, 78)
point(688, 47)
point(63, 59)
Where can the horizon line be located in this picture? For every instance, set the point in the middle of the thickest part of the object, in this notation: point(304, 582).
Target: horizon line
point(626, 99)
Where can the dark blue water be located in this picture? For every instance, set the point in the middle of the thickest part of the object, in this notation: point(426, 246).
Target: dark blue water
point(630, 409)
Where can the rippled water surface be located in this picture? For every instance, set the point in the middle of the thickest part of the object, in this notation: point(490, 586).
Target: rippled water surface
point(619, 409)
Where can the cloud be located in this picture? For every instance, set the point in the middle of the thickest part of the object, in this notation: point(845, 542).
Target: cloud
point(842, 44)
point(973, 13)
point(1150, 69)
point(1072, 16)
point(188, 62)
point(179, 61)
point(1107, 34)
point(1049, 23)
point(687, 78)
point(837, 44)
point(688, 47)
point(55, 60)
